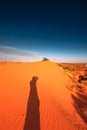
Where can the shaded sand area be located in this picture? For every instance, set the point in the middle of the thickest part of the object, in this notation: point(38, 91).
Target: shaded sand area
point(43, 102)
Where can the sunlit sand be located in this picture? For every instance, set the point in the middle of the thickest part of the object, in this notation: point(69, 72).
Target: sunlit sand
point(43, 102)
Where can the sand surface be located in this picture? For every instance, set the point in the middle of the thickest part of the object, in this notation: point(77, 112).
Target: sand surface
point(42, 105)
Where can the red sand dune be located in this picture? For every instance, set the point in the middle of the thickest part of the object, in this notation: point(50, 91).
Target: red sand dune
point(45, 104)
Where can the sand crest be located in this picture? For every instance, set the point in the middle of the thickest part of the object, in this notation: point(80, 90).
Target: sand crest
point(36, 103)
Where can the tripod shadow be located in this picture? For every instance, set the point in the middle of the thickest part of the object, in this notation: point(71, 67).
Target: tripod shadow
point(32, 120)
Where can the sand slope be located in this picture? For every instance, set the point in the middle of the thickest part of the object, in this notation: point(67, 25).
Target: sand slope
point(50, 102)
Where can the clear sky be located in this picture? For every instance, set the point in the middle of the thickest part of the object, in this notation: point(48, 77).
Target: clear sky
point(53, 29)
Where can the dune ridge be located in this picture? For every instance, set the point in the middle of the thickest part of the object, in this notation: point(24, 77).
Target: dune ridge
point(56, 103)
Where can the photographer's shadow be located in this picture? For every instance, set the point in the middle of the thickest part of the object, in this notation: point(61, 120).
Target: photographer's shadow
point(32, 120)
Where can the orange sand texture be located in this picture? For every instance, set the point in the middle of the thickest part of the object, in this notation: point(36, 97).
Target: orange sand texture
point(45, 104)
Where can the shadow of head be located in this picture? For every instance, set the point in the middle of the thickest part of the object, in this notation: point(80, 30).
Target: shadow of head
point(33, 81)
point(35, 78)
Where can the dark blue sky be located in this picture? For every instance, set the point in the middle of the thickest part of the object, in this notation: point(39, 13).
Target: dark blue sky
point(50, 28)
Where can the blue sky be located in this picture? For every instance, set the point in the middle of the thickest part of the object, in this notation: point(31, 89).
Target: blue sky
point(56, 30)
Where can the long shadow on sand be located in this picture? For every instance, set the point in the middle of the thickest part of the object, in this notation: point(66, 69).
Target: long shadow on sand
point(80, 103)
point(32, 120)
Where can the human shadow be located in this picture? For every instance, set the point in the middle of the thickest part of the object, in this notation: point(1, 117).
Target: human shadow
point(80, 104)
point(32, 120)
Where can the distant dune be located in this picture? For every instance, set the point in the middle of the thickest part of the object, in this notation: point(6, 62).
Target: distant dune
point(43, 102)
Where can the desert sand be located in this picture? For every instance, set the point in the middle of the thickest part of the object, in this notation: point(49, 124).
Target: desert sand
point(43, 102)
